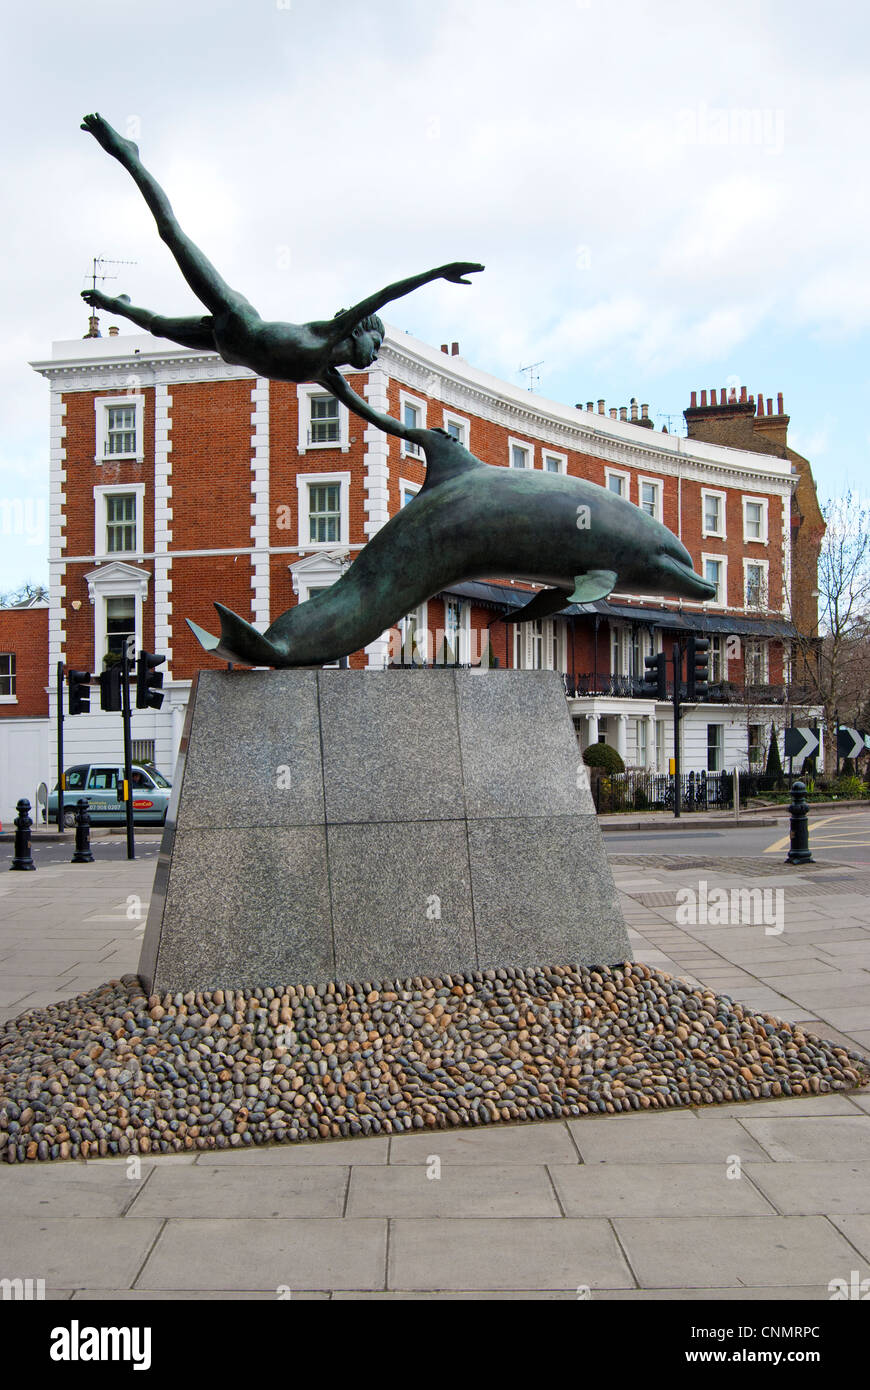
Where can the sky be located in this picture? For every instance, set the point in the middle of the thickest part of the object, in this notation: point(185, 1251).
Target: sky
point(668, 195)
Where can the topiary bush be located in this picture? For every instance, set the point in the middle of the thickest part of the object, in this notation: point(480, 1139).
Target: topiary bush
point(603, 758)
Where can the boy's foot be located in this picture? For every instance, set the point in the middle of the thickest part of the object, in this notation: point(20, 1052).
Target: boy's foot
point(108, 137)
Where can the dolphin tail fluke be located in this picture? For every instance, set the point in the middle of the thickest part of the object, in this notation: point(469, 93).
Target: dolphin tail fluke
point(238, 642)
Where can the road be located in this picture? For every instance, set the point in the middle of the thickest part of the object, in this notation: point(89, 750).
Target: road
point(60, 851)
point(843, 837)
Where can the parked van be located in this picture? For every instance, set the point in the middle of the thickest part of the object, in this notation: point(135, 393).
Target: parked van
point(99, 783)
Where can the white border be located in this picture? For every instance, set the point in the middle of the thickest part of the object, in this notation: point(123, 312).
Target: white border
point(304, 444)
point(100, 523)
point(526, 448)
point(764, 565)
point(723, 509)
point(561, 459)
point(450, 417)
point(721, 599)
point(762, 539)
point(626, 478)
point(101, 405)
point(409, 450)
point(302, 482)
point(659, 485)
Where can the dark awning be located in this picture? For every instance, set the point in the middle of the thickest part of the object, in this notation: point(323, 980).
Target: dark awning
point(504, 596)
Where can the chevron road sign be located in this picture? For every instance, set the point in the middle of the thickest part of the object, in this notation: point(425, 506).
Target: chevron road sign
point(800, 743)
point(850, 742)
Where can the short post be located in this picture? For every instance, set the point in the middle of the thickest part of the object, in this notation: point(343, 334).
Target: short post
point(799, 848)
point(736, 785)
point(23, 858)
point(83, 853)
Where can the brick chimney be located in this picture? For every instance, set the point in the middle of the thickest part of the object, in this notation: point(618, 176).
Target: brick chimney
point(93, 327)
point(731, 417)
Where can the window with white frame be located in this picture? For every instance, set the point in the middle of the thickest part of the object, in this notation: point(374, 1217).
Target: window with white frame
point(715, 572)
point(616, 481)
point(714, 747)
point(407, 491)
point(457, 426)
point(554, 463)
point(457, 617)
point(120, 623)
point(414, 637)
point(787, 663)
point(413, 412)
point(755, 519)
point(7, 676)
point(557, 644)
point(718, 660)
point(650, 497)
point(713, 513)
point(755, 661)
point(620, 649)
point(640, 727)
point(119, 519)
point(323, 508)
point(756, 739)
point(119, 428)
point(755, 583)
point(521, 455)
point(323, 421)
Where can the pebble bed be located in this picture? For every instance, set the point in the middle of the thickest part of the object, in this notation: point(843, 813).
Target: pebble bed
point(115, 1072)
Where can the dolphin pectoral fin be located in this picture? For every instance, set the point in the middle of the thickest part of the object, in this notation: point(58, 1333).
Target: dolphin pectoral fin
point(541, 606)
point(592, 585)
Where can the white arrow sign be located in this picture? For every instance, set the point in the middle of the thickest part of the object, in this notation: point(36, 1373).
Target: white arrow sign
point(800, 743)
point(850, 744)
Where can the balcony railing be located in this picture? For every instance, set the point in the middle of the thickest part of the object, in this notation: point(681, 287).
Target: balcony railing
point(586, 685)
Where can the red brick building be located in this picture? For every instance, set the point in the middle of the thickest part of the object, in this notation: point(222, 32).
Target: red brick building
point(24, 722)
point(177, 479)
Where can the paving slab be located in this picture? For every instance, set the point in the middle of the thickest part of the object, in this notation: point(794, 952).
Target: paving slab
point(652, 1189)
point(70, 1251)
point(678, 1137)
point(373, 1148)
point(856, 1229)
point(830, 1138)
point(65, 1189)
point(252, 1253)
point(452, 1190)
point(806, 1189)
point(718, 1251)
point(523, 1143)
point(211, 1191)
point(517, 1253)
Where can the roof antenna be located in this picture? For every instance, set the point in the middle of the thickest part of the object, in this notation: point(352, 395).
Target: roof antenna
point(534, 374)
point(97, 274)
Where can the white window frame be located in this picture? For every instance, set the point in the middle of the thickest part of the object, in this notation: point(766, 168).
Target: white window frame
point(723, 658)
point(721, 599)
point(449, 417)
point(116, 579)
point(303, 481)
point(762, 645)
point(408, 449)
point(421, 618)
point(659, 485)
point(464, 632)
point(555, 632)
point(306, 445)
point(626, 482)
point(101, 552)
point(525, 448)
point(718, 746)
point(561, 460)
point(764, 566)
point(13, 698)
point(722, 497)
point(102, 404)
point(762, 539)
point(406, 485)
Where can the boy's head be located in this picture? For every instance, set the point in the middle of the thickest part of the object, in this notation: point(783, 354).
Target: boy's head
point(361, 348)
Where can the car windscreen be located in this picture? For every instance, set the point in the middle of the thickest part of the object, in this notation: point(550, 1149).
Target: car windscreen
point(159, 779)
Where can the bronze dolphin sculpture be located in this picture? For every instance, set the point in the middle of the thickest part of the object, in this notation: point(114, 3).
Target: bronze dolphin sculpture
point(470, 520)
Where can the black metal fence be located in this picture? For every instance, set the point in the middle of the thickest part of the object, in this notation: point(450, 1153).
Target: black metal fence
point(699, 791)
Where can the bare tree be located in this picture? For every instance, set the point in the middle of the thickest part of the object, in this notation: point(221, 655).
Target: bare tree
point(24, 595)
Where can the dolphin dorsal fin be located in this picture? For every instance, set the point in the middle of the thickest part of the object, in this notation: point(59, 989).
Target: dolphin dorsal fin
point(446, 457)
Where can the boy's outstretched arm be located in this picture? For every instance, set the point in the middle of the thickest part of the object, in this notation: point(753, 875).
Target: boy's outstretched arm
point(334, 382)
point(342, 324)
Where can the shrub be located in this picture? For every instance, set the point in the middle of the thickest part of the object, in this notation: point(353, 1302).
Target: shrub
point(604, 758)
point(774, 762)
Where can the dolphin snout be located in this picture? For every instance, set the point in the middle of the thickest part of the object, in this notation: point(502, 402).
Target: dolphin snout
point(676, 564)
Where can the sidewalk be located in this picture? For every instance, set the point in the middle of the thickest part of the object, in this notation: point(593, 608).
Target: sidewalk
point(767, 1199)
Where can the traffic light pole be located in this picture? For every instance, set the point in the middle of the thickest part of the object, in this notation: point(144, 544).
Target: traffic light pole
point(128, 756)
point(677, 653)
point(59, 748)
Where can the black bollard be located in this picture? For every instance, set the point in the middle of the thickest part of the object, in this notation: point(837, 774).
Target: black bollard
point(799, 849)
point(23, 858)
point(83, 834)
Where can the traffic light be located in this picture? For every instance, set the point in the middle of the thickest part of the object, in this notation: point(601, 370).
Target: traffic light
point(697, 667)
point(149, 683)
point(79, 692)
point(110, 688)
point(654, 684)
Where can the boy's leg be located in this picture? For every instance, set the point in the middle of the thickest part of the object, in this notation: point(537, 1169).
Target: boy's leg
point(197, 270)
point(188, 332)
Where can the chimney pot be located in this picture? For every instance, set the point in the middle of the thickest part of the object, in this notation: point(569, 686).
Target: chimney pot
point(779, 409)
point(723, 396)
point(113, 331)
point(454, 349)
point(445, 348)
point(590, 405)
point(770, 405)
point(634, 410)
point(743, 395)
point(601, 407)
point(760, 404)
point(703, 398)
point(93, 327)
point(613, 412)
point(623, 413)
point(694, 402)
point(644, 412)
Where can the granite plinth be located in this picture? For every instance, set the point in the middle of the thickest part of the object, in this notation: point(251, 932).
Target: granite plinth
point(337, 824)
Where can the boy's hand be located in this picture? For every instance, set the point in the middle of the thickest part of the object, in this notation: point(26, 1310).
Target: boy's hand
point(457, 269)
